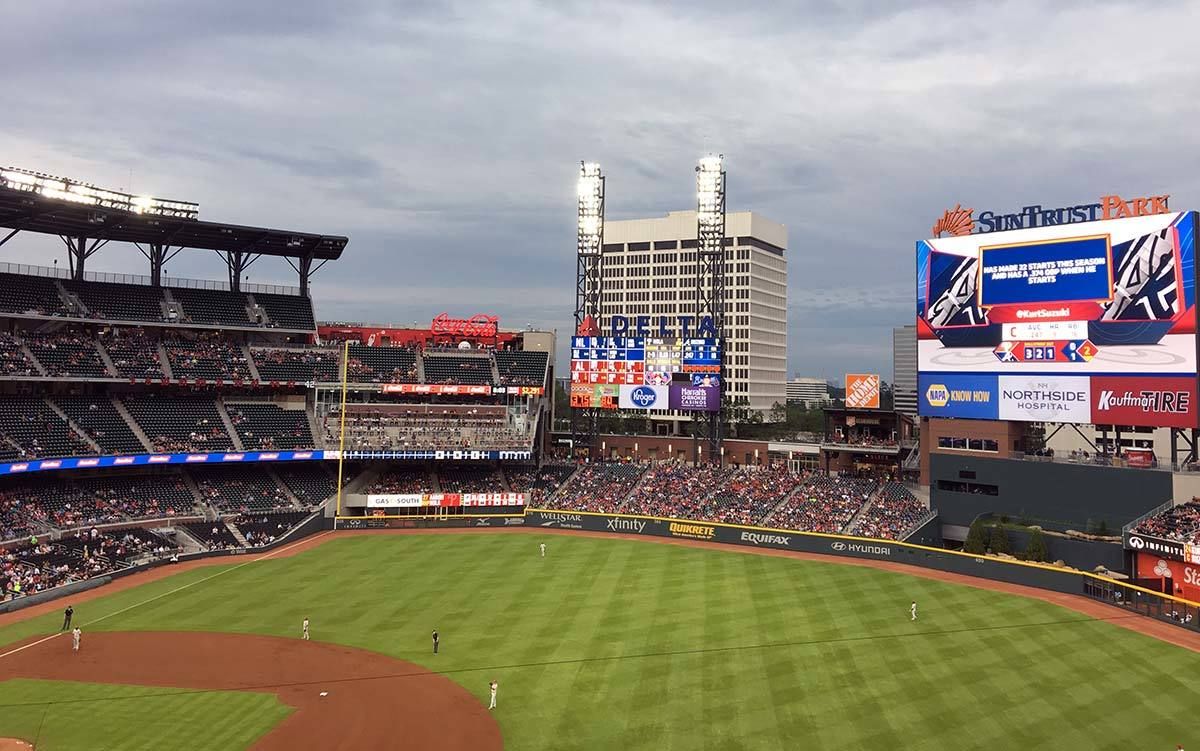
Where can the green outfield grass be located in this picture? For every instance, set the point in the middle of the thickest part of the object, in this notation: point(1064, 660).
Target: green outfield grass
point(615, 644)
point(65, 716)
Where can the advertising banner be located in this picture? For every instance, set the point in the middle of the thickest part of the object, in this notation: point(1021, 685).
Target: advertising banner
point(436, 389)
point(644, 397)
point(862, 391)
point(959, 395)
point(1160, 546)
point(1182, 577)
point(1046, 398)
point(1109, 298)
point(691, 398)
point(441, 500)
point(1168, 402)
point(95, 462)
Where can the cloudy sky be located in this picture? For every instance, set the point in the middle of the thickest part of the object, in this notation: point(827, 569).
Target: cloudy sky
point(443, 138)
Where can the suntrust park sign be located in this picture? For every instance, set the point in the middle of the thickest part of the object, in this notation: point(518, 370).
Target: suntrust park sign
point(960, 221)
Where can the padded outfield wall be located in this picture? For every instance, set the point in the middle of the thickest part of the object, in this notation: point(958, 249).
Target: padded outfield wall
point(1042, 576)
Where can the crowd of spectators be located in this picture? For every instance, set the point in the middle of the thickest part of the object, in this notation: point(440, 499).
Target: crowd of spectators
point(423, 428)
point(749, 494)
point(402, 480)
point(598, 487)
point(1180, 523)
point(133, 353)
point(68, 353)
point(539, 483)
point(209, 356)
point(823, 504)
point(13, 361)
point(299, 365)
point(675, 490)
point(893, 512)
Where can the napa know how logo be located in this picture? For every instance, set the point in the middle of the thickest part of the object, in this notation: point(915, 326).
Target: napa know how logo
point(959, 395)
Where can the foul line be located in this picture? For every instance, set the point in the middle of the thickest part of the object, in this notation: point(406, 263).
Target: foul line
point(261, 557)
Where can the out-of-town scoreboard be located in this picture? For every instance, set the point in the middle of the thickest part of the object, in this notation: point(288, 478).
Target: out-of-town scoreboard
point(601, 365)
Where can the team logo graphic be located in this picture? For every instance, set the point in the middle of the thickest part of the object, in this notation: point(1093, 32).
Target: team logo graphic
point(1162, 569)
point(937, 395)
point(956, 221)
point(643, 397)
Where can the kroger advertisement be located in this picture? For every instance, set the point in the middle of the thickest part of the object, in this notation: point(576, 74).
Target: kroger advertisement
point(1091, 322)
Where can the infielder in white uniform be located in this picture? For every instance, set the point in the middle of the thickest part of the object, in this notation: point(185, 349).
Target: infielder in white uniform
point(305, 637)
point(493, 686)
point(914, 611)
point(543, 547)
point(75, 636)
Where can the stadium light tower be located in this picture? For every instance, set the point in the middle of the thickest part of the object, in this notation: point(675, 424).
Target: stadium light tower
point(590, 244)
point(710, 276)
point(589, 256)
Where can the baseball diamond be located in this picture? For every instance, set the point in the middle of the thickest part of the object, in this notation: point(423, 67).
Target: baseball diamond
point(618, 643)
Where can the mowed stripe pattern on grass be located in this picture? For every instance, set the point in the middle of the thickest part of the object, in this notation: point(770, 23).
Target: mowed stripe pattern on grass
point(637, 645)
point(67, 716)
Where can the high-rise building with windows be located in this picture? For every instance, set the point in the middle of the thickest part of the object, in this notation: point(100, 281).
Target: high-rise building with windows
point(904, 370)
point(649, 268)
point(808, 392)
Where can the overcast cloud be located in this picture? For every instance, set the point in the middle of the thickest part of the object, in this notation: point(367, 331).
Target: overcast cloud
point(443, 138)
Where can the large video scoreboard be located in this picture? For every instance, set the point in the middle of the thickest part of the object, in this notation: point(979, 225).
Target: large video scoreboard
point(606, 371)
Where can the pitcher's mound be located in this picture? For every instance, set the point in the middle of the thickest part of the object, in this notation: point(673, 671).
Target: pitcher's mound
point(12, 744)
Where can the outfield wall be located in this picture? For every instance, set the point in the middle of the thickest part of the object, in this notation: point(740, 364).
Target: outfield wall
point(1043, 577)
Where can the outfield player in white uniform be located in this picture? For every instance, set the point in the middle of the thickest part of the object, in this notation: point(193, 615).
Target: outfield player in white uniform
point(493, 685)
point(305, 629)
point(543, 548)
point(76, 634)
point(914, 611)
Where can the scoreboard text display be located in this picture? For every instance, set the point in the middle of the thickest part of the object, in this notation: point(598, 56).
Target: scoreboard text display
point(602, 365)
point(1091, 322)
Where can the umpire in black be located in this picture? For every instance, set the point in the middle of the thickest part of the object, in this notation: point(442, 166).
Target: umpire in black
point(435, 641)
point(70, 611)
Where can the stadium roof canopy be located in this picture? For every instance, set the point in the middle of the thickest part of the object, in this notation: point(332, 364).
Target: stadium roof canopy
point(29, 212)
point(86, 228)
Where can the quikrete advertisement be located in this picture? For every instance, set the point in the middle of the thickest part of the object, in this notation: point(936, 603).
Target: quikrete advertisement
point(692, 531)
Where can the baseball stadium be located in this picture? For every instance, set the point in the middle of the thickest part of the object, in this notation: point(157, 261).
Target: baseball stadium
point(226, 523)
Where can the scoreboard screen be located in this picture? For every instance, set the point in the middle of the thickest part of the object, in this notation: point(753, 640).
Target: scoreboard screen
point(701, 356)
point(601, 365)
point(663, 355)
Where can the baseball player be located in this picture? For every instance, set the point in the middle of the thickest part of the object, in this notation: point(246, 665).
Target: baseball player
point(70, 611)
point(305, 629)
point(543, 549)
point(435, 641)
point(75, 636)
point(914, 610)
point(493, 686)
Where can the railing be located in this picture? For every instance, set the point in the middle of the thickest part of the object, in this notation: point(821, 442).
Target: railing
point(1103, 460)
point(1152, 512)
point(105, 277)
point(928, 517)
